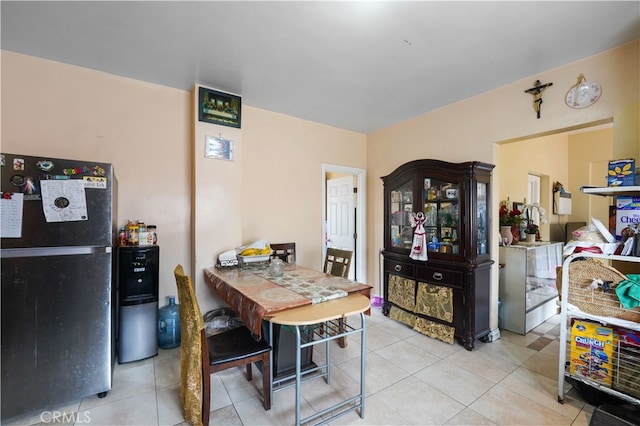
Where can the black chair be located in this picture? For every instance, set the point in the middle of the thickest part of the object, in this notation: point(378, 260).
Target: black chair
point(231, 348)
point(285, 251)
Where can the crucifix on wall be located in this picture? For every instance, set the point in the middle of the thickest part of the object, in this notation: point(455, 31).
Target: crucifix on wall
point(536, 91)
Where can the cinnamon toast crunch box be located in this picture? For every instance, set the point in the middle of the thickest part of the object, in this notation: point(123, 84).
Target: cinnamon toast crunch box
point(592, 346)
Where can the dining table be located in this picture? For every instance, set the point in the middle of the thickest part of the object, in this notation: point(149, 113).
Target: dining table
point(301, 297)
point(252, 292)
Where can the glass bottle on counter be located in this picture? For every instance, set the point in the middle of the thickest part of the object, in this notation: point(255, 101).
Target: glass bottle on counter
point(122, 237)
point(154, 234)
point(132, 233)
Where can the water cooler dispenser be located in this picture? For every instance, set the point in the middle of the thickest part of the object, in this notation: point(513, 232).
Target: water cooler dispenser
point(137, 302)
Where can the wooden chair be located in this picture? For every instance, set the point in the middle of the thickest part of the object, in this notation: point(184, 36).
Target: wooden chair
point(201, 355)
point(337, 262)
point(285, 251)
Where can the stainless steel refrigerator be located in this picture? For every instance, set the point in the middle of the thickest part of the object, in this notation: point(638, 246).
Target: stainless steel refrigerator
point(57, 292)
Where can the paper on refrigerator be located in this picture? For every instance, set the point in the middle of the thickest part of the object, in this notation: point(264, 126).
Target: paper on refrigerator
point(11, 212)
point(64, 200)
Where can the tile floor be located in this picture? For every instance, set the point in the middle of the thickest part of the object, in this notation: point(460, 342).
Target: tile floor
point(410, 380)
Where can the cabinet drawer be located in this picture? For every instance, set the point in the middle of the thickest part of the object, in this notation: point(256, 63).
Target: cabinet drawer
point(441, 276)
point(400, 268)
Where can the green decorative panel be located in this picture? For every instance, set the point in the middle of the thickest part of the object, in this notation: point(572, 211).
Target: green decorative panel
point(402, 292)
point(435, 301)
point(402, 316)
point(435, 330)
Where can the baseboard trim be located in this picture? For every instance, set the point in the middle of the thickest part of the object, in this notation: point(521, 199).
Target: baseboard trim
point(494, 335)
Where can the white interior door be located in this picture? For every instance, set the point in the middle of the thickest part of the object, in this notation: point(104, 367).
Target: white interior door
point(341, 225)
point(533, 196)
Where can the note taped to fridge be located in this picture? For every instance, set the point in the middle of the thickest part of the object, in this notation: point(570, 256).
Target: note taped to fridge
point(11, 212)
point(64, 200)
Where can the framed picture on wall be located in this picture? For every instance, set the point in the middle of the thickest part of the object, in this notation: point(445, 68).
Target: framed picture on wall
point(219, 108)
point(218, 148)
point(520, 208)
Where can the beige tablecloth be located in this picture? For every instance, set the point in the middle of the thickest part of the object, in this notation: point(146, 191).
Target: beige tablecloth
point(248, 291)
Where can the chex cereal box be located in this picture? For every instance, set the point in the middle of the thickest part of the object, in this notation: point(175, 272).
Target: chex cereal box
point(592, 352)
point(627, 213)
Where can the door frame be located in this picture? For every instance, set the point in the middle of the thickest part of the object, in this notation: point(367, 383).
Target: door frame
point(360, 257)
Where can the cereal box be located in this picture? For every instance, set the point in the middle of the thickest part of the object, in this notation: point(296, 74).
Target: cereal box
point(592, 352)
point(627, 213)
point(621, 173)
point(627, 337)
point(626, 377)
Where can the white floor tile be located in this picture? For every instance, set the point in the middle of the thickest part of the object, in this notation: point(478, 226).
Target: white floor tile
point(421, 403)
point(410, 379)
point(138, 410)
point(379, 373)
point(540, 389)
point(505, 407)
point(408, 357)
point(458, 383)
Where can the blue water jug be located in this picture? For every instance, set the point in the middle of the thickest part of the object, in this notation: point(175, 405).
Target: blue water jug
point(169, 325)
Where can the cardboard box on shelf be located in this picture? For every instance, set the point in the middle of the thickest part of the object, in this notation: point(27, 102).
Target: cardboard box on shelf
point(621, 172)
point(592, 351)
point(626, 375)
point(627, 213)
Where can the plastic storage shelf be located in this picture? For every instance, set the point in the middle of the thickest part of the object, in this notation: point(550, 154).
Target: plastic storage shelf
point(569, 312)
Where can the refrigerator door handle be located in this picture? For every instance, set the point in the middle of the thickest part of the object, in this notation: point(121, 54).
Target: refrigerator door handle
point(52, 251)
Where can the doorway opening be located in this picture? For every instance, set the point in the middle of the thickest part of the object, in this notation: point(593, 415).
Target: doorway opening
point(528, 167)
point(343, 215)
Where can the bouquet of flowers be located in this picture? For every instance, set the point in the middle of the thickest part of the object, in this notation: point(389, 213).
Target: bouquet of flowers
point(508, 215)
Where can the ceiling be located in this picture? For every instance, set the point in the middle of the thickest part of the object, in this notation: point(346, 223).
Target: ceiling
point(356, 65)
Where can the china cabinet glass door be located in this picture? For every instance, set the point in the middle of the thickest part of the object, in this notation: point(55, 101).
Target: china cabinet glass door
point(481, 218)
point(401, 212)
point(441, 201)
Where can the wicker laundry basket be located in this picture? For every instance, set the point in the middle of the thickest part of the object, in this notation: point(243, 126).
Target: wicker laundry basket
point(582, 272)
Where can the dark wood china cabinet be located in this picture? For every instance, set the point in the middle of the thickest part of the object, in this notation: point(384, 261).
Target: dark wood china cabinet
point(447, 296)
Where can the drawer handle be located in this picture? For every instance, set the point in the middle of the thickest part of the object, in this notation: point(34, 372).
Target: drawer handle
point(398, 268)
point(437, 276)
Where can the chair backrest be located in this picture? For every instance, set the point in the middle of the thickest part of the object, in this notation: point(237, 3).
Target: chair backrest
point(338, 262)
point(285, 251)
point(188, 306)
point(191, 348)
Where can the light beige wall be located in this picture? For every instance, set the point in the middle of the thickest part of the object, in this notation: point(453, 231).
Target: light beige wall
point(271, 190)
point(546, 157)
point(283, 180)
point(589, 155)
point(151, 134)
point(216, 203)
point(468, 130)
point(56, 110)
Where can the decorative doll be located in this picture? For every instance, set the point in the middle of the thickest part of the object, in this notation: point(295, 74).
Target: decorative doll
point(419, 246)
